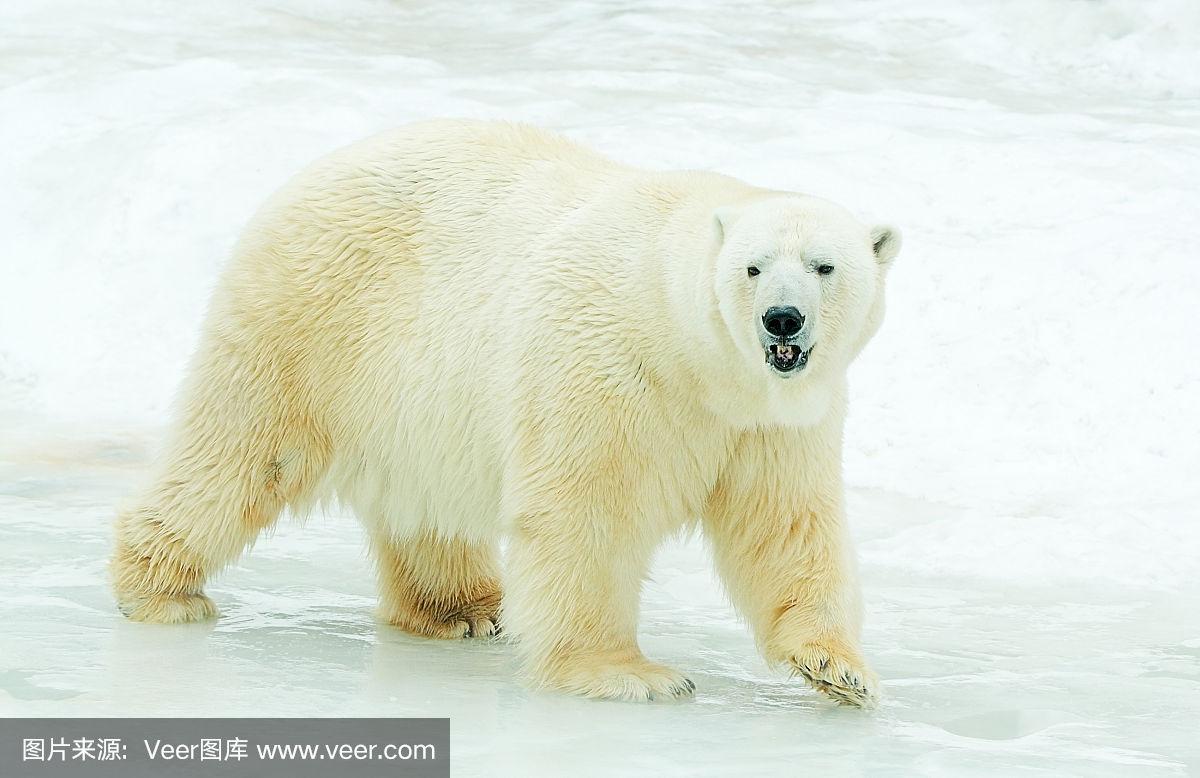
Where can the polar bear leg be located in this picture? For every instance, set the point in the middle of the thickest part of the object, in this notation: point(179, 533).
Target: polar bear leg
point(571, 598)
point(437, 587)
point(780, 542)
point(241, 452)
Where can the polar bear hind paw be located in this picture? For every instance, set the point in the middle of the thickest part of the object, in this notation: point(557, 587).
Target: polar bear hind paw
point(630, 680)
point(169, 608)
point(477, 619)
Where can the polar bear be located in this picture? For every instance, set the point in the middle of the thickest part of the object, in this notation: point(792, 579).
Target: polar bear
point(467, 331)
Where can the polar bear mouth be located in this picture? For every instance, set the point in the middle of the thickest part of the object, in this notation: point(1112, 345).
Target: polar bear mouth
point(787, 357)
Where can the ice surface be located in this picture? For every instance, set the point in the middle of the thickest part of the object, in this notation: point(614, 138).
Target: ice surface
point(1025, 432)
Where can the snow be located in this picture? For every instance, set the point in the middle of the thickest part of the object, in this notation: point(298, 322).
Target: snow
point(1022, 450)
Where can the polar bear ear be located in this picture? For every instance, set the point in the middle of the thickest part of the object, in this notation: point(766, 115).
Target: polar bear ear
point(885, 242)
point(723, 219)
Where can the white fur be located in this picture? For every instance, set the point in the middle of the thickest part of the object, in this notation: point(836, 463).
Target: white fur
point(466, 329)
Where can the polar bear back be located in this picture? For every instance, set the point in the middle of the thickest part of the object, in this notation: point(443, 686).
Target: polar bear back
point(403, 281)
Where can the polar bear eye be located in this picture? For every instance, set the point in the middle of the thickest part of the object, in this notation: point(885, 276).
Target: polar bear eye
point(825, 269)
point(752, 271)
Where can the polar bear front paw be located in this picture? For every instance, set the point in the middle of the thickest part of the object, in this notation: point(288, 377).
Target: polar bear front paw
point(620, 677)
point(837, 673)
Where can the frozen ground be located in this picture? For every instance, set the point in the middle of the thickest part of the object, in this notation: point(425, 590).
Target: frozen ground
point(1025, 437)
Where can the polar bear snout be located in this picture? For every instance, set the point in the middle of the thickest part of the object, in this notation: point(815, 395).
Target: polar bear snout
point(784, 339)
point(783, 321)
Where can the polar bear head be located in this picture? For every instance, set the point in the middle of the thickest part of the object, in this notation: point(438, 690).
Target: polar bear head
point(799, 286)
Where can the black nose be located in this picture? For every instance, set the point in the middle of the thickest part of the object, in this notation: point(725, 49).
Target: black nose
point(783, 322)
